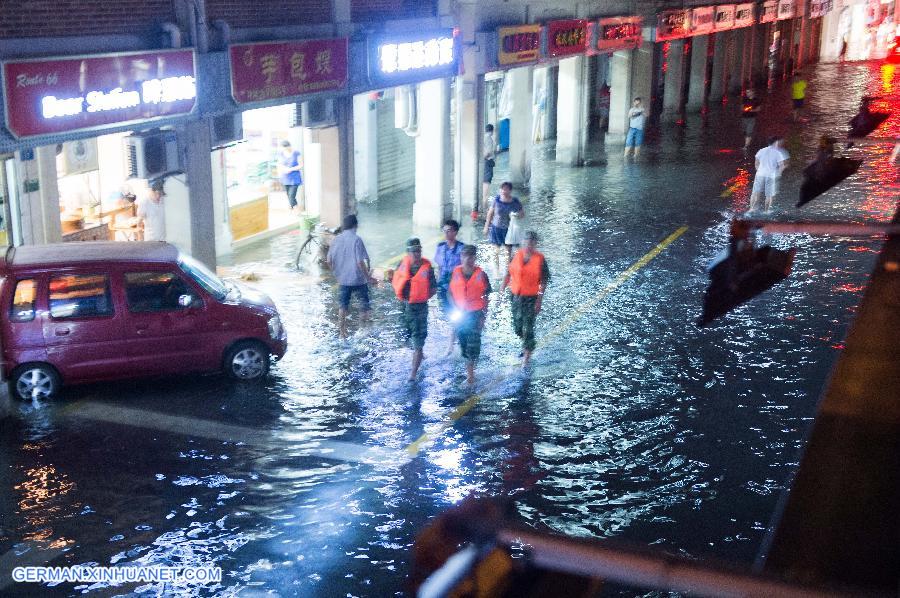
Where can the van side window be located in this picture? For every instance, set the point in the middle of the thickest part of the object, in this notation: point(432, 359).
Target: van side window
point(80, 296)
point(23, 301)
point(155, 291)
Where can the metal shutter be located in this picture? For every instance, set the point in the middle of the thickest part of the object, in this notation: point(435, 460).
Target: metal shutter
point(396, 152)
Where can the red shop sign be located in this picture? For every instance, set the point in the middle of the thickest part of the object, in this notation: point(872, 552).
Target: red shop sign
point(268, 71)
point(57, 95)
point(619, 33)
point(567, 37)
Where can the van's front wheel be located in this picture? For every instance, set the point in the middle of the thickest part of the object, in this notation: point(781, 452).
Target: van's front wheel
point(34, 381)
point(247, 360)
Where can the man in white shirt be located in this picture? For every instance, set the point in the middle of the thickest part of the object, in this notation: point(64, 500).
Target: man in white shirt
point(637, 117)
point(770, 163)
point(490, 152)
point(152, 213)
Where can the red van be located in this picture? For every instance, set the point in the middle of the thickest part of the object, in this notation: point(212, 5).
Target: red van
point(92, 311)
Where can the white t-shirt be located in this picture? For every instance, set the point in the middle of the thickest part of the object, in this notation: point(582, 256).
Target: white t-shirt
point(154, 216)
point(769, 159)
point(636, 118)
point(490, 148)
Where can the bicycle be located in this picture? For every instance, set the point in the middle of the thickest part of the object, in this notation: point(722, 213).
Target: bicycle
point(317, 242)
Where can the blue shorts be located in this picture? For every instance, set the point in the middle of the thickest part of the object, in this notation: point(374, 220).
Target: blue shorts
point(361, 290)
point(634, 138)
point(496, 235)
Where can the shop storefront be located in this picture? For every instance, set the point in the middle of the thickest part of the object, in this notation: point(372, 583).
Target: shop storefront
point(614, 34)
point(402, 135)
point(261, 180)
point(861, 29)
point(83, 185)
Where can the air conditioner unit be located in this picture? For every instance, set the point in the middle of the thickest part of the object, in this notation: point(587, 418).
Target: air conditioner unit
point(318, 113)
point(226, 129)
point(76, 157)
point(151, 154)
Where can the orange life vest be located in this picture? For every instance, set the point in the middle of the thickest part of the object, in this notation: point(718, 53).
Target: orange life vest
point(525, 279)
point(469, 294)
point(418, 285)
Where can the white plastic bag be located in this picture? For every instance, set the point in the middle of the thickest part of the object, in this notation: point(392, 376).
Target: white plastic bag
point(516, 231)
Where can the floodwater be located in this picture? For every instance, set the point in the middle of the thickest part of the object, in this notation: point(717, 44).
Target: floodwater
point(633, 424)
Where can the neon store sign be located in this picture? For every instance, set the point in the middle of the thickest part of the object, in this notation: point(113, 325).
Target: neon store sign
point(396, 59)
point(49, 96)
point(154, 91)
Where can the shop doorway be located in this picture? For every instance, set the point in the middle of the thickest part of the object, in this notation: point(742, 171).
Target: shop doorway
point(10, 226)
point(258, 174)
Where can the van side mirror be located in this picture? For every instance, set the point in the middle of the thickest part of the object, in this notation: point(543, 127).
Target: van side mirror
point(185, 300)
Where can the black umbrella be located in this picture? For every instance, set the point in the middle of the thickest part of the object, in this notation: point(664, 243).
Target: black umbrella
point(737, 279)
point(819, 177)
point(865, 122)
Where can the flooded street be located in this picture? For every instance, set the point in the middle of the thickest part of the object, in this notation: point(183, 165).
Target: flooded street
point(633, 423)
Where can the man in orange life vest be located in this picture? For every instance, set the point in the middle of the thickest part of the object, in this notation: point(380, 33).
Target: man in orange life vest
point(527, 279)
point(469, 290)
point(414, 284)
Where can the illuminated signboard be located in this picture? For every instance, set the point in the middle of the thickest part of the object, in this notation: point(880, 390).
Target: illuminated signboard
point(57, 95)
point(743, 15)
point(619, 33)
point(271, 70)
point(673, 24)
point(410, 57)
point(519, 45)
point(702, 20)
point(769, 11)
point(724, 17)
point(567, 38)
point(819, 8)
point(785, 9)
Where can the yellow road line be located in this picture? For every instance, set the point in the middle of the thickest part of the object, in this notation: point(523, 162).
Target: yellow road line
point(414, 448)
point(393, 261)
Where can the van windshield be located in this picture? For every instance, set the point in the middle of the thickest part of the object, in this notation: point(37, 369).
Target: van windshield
point(202, 275)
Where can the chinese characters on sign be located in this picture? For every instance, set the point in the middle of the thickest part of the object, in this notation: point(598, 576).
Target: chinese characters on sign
point(743, 15)
point(769, 11)
point(619, 33)
point(819, 8)
point(406, 56)
point(58, 95)
point(519, 44)
point(785, 9)
point(724, 17)
point(267, 71)
point(673, 24)
point(567, 38)
point(430, 55)
point(702, 20)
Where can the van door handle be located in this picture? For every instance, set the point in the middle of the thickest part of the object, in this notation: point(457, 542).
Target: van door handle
point(61, 331)
point(141, 329)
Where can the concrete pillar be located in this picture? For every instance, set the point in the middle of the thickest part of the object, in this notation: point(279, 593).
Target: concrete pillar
point(520, 82)
point(722, 67)
point(642, 76)
point(468, 150)
point(699, 58)
point(674, 74)
point(433, 155)
point(365, 148)
point(571, 121)
point(39, 196)
point(804, 42)
point(190, 209)
point(328, 167)
point(621, 70)
point(762, 38)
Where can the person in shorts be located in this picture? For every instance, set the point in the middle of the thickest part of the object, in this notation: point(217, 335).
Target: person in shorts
point(798, 95)
point(489, 155)
point(414, 284)
point(770, 163)
point(496, 224)
point(349, 261)
point(469, 290)
point(447, 257)
point(750, 106)
point(637, 118)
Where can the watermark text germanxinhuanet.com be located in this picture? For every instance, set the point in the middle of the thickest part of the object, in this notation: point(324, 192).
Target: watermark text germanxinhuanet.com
point(115, 575)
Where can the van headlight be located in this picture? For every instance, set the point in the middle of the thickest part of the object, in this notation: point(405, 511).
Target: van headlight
point(275, 328)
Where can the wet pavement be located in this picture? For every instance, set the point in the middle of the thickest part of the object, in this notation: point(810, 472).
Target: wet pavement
point(633, 423)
